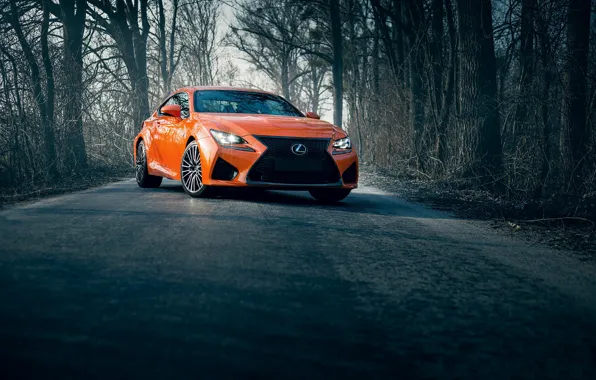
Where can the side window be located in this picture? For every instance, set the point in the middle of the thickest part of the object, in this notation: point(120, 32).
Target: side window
point(182, 98)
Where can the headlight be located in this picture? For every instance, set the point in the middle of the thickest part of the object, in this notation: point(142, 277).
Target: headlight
point(226, 138)
point(344, 143)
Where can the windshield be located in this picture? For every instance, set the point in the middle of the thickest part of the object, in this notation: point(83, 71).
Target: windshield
point(223, 101)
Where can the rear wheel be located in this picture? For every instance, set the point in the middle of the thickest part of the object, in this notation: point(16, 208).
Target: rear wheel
point(329, 195)
point(191, 172)
point(144, 179)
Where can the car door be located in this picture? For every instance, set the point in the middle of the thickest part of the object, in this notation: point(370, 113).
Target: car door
point(159, 137)
point(172, 129)
point(179, 135)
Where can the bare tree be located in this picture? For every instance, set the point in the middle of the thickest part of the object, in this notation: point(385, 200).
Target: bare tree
point(121, 22)
point(268, 32)
point(168, 60)
point(44, 98)
point(318, 70)
point(198, 23)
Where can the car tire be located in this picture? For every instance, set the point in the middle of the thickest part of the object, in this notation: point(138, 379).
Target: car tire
point(144, 179)
point(329, 195)
point(191, 173)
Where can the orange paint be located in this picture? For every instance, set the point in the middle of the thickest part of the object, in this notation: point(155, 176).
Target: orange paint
point(166, 133)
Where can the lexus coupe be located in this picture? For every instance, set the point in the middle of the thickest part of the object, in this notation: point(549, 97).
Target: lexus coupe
point(212, 137)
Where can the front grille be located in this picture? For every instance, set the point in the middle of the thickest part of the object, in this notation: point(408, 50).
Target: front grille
point(280, 165)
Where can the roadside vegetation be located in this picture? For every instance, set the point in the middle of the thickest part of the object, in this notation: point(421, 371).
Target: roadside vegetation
point(492, 97)
point(562, 222)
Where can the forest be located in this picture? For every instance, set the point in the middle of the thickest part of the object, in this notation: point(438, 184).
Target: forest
point(500, 94)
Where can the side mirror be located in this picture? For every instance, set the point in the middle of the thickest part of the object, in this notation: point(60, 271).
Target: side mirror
point(171, 110)
point(312, 115)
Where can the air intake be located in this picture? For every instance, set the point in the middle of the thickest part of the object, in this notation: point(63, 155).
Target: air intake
point(223, 170)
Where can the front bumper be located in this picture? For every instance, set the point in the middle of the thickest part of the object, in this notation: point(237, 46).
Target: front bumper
point(224, 166)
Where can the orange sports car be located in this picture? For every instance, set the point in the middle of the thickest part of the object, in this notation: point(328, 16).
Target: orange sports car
point(209, 137)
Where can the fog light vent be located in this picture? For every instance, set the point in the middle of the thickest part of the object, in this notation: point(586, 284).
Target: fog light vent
point(350, 174)
point(224, 171)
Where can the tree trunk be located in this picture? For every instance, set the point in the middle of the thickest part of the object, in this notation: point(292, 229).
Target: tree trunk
point(163, 56)
point(526, 63)
point(337, 66)
point(478, 90)
point(398, 36)
point(141, 94)
point(545, 104)
point(449, 90)
point(436, 48)
point(49, 70)
point(375, 64)
point(574, 136)
point(172, 59)
point(73, 19)
point(285, 75)
point(415, 62)
point(140, 46)
point(167, 62)
point(315, 90)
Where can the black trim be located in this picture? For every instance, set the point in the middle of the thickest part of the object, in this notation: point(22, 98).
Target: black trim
point(241, 148)
point(338, 152)
point(293, 186)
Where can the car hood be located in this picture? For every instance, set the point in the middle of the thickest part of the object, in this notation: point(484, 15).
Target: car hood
point(271, 125)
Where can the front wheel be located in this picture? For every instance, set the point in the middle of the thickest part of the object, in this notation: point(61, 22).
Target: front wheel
point(329, 195)
point(192, 172)
point(144, 179)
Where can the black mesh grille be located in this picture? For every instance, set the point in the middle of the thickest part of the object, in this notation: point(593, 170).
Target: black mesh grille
point(280, 165)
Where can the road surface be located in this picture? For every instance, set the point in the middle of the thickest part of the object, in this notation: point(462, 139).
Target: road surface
point(122, 282)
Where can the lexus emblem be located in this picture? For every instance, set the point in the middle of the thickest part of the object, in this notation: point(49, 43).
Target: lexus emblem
point(299, 149)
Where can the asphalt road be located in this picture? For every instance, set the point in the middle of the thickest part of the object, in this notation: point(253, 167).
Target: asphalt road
point(122, 282)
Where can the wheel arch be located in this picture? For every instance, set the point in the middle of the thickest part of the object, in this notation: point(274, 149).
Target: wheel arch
point(139, 141)
point(135, 149)
point(145, 138)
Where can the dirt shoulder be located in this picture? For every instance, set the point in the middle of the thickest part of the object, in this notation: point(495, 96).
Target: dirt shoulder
point(563, 222)
point(90, 178)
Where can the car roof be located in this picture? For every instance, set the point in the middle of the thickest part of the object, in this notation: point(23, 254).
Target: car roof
point(223, 88)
